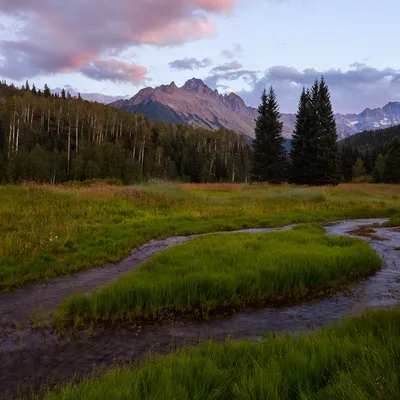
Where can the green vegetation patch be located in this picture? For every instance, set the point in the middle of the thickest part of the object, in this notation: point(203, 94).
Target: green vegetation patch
point(47, 231)
point(358, 359)
point(228, 271)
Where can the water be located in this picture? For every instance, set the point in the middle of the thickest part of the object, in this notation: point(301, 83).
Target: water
point(40, 356)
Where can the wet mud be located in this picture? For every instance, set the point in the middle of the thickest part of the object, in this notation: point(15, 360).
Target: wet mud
point(37, 356)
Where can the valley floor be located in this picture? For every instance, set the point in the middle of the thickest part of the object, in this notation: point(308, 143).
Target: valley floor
point(48, 231)
point(51, 231)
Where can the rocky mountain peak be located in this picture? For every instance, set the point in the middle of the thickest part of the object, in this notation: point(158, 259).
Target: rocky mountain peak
point(198, 86)
point(392, 107)
point(169, 88)
point(235, 102)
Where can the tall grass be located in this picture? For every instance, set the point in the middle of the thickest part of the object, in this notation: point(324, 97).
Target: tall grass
point(220, 271)
point(57, 230)
point(359, 359)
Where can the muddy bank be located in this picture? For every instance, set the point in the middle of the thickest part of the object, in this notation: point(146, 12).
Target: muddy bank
point(40, 356)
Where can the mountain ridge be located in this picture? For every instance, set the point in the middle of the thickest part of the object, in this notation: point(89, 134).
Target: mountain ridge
point(198, 105)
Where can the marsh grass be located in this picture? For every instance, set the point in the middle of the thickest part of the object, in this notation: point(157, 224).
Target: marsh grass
point(228, 271)
point(46, 231)
point(358, 359)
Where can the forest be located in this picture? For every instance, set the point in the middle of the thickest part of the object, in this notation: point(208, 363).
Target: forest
point(372, 156)
point(52, 138)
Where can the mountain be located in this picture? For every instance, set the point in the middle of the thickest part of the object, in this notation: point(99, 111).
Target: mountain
point(198, 105)
point(369, 120)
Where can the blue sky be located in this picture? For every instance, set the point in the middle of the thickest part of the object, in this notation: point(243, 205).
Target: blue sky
point(116, 48)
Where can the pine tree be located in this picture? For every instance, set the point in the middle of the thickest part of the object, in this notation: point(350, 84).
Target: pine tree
point(63, 94)
point(27, 87)
point(392, 162)
point(34, 89)
point(297, 171)
point(269, 163)
point(320, 154)
point(46, 92)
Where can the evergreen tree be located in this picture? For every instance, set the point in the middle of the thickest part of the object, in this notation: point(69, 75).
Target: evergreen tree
point(297, 170)
point(318, 161)
point(63, 94)
point(269, 163)
point(34, 89)
point(392, 162)
point(46, 92)
point(328, 154)
point(27, 87)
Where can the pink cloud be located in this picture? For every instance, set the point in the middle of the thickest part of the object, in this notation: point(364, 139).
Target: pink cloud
point(114, 70)
point(61, 36)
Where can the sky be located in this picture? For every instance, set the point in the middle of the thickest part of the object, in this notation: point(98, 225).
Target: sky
point(112, 49)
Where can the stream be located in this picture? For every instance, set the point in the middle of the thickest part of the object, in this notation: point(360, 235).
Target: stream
point(32, 357)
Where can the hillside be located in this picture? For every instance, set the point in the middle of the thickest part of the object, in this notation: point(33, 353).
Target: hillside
point(54, 138)
point(373, 138)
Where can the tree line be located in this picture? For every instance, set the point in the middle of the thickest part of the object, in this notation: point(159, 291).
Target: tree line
point(372, 156)
point(55, 137)
point(316, 158)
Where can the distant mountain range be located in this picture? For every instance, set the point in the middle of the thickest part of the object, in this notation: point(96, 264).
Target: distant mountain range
point(198, 105)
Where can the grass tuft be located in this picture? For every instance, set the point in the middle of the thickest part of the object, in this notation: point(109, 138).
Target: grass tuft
point(229, 271)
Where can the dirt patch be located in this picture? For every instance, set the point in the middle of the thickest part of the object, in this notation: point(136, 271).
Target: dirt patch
point(366, 231)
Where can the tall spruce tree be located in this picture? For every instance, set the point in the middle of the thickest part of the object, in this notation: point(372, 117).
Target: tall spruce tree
point(269, 154)
point(315, 157)
point(328, 155)
point(298, 173)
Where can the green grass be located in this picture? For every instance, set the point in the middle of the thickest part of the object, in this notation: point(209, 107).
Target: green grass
point(358, 359)
point(394, 221)
point(228, 271)
point(46, 231)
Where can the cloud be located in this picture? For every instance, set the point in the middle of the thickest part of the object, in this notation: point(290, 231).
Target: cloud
point(57, 36)
point(234, 65)
point(352, 90)
point(189, 64)
point(249, 77)
point(114, 70)
point(236, 50)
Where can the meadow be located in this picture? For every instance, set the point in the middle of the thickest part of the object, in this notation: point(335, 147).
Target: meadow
point(46, 231)
point(358, 359)
point(220, 271)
